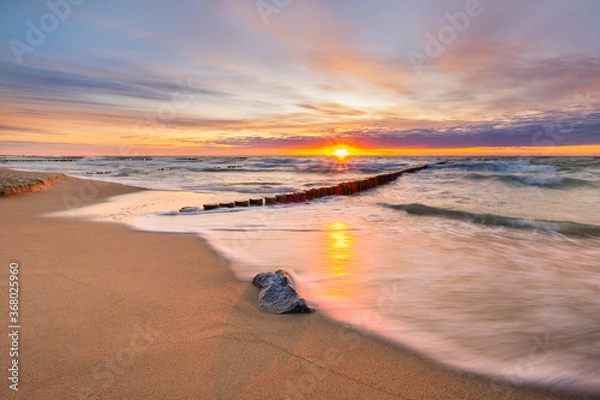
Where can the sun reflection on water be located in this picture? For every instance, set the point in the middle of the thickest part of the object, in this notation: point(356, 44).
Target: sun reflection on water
point(340, 260)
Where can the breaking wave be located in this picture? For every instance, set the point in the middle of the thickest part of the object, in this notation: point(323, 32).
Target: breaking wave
point(562, 227)
point(533, 180)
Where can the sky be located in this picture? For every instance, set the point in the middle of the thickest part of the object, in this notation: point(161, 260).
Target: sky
point(253, 77)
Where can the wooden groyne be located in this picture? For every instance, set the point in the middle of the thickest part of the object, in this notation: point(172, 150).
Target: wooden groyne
point(10, 159)
point(51, 159)
point(341, 189)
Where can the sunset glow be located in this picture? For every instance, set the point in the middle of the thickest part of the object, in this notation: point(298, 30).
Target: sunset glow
point(341, 153)
point(223, 78)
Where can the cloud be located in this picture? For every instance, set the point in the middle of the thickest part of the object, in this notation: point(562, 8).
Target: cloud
point(332, 109)
point(514, 56)
point(40, 84)
point(555, 130)
point(314, 35)
point(11, 128)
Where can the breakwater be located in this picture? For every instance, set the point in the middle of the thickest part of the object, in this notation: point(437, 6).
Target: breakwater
point(341, 189)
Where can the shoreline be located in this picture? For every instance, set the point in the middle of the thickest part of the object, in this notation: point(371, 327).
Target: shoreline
point(109, 312)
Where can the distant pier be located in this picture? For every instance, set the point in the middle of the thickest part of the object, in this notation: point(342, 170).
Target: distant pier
point(50, 159)
point(9, 159)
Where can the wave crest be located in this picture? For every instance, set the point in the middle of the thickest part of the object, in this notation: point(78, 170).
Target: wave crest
point(532, 180)
point(568, 228)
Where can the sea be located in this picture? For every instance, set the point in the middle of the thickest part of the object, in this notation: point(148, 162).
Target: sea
point(485, 264)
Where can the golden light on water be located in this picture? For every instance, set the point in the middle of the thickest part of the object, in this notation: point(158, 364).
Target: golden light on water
point(340, 259)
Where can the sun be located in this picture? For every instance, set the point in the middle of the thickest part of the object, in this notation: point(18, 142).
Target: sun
point(341, 153)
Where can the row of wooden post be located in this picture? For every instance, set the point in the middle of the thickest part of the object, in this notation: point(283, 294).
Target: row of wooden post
point(341, 189)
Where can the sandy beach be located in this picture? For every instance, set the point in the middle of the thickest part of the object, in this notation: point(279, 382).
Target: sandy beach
point(111, 313)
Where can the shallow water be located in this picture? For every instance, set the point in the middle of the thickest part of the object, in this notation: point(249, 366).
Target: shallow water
point(490, 265)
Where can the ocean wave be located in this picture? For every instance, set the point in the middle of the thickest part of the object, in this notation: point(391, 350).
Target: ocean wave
point(279, 162)
point(262, 189)
point(571, 164)
point(533, 180)
point(255, 183)
point(227, 168)
point(567, 228)
point(224, 160)
point(496, 166)
point(327, 169)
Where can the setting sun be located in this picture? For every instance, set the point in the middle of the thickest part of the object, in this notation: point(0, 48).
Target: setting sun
point(341, 153)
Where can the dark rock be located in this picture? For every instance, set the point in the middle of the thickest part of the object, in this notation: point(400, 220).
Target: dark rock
point(278, 294)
